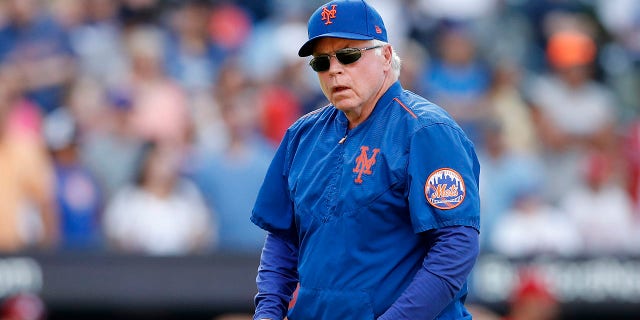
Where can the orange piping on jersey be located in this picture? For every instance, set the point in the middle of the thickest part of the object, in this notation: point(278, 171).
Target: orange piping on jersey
point(405, 108)
point(315, 111)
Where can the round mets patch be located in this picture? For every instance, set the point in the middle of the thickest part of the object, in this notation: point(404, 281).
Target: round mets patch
point(445, 189)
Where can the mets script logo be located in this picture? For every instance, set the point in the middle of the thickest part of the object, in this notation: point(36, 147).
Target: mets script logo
point(328, 14)
point(445, 189)
point(364, 162)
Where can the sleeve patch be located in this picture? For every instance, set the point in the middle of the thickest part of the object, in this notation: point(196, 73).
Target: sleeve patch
point(445, 189)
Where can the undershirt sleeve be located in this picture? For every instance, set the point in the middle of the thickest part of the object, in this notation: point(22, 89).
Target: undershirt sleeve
point(444, 271)
point(277, 277)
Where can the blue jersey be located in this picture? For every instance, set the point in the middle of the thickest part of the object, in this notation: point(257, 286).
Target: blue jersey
point(358, 200)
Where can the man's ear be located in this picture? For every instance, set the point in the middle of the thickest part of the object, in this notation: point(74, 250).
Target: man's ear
point(387, 53)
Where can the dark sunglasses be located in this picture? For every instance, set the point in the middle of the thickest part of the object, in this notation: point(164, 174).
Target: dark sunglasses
point(345, 56)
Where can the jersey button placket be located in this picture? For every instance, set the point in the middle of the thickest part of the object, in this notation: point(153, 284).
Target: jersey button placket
point(331, 200)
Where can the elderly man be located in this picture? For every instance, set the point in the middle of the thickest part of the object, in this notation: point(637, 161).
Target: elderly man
point(371, 202)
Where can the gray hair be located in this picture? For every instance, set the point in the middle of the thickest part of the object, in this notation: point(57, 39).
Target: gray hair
point(396, 62)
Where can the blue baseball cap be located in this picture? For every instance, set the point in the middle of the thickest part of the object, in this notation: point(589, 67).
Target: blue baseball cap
point(347, 19)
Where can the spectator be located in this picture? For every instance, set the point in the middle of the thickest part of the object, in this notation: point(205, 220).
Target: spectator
point(631, 147)
point(193, 59)
point(414, 58)
point(509, 108)
point(98, 42)
point(543, 18)
point(109, 146)
point(23, 306)
point(230, 25)
point(210, 131)
point(27, 200)
point(532, 299)
point(534, 228)
point(40, 47)
point(601, 209)
point(621, 53)
point(162, 213)
point(572, 112)
point(230, 178)
point(457, 78)
point(506, 175)
point(78, 196)
point(159, 105)
point(279, 109)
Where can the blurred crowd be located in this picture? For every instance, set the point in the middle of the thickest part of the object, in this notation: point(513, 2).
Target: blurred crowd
point(146, 126)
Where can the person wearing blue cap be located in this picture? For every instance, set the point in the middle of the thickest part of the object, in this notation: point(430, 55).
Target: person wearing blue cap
point(371, 203)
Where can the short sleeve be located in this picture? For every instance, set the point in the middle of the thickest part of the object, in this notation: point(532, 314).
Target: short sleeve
point(443, 172)
point(273, 209)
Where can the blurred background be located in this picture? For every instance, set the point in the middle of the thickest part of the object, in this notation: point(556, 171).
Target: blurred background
point(134, 135)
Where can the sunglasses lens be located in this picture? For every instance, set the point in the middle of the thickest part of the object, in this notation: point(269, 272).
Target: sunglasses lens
point(320, 63)
point(344, 56)
point(348, 55)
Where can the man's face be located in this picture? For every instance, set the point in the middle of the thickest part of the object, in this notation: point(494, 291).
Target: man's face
point(354, 87)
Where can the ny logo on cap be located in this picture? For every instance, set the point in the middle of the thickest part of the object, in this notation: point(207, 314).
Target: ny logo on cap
point(329, 14)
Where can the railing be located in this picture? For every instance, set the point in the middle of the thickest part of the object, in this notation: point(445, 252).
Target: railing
point(586, 287)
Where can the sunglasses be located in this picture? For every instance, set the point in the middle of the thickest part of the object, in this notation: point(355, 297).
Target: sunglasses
point(345, 56)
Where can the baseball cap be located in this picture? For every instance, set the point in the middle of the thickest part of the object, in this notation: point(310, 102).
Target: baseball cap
point(347, 19)
point(570, 48)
